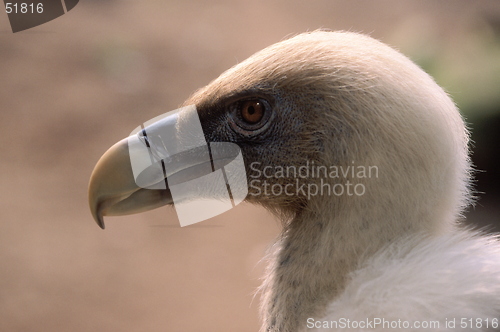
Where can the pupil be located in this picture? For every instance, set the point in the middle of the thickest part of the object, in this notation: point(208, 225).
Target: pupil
point(251, 110)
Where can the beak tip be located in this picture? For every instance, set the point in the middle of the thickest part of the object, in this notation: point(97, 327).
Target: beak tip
point(98, 219)
point(100, 223)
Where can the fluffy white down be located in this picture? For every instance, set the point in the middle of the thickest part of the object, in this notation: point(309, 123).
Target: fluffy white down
point(453, 277)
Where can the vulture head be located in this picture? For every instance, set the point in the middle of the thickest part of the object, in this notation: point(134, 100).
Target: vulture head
point(339, 101)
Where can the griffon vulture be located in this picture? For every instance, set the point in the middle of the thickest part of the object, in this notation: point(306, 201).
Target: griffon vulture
point(389, 254)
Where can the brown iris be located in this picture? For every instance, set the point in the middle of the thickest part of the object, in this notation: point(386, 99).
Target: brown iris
point(252, 111)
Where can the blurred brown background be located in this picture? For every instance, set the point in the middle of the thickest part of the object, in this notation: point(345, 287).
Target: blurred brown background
point(71, 88)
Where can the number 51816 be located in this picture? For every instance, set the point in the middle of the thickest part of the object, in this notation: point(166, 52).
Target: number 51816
point(23, 8)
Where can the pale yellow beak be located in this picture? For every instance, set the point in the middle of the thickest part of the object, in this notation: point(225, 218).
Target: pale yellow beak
point(113, 190)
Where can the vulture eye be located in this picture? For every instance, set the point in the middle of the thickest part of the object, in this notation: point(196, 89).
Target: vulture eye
point(249, 116)
point(252, 111)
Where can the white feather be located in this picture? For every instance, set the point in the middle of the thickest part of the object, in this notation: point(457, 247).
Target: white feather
point(423, 281)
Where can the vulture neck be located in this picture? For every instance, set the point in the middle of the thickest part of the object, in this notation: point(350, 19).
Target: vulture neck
point(318, 249)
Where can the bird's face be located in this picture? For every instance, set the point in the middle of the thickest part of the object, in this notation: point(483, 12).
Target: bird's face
point(273, 125)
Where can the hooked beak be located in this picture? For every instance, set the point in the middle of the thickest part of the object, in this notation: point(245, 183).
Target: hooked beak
point(113, 190)
point(168, 161)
